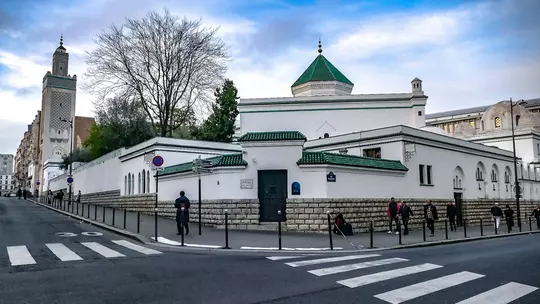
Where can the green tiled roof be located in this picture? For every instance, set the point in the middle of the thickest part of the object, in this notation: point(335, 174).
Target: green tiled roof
point(227, 160)
point(272, 136)
point(321, 158)
point(321, 70)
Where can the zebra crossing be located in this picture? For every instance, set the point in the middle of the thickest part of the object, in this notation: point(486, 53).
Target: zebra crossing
point(20, 255)
point(361, 262)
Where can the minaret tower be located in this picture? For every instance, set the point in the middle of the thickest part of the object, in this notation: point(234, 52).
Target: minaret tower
point(57, 111)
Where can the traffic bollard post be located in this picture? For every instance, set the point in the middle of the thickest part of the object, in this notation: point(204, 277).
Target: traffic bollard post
point(181, 225)
point(446, 228)
point(95, 212)
point(330, 230)
point(138, 221)
point(495, 226)
point(530, 223)
point(104, 208)
point(77, 208)
point(279, 229)
point(424, 229)
point(125, 215)
point(399, 230)
point(88, 211)
point(82, 210)
point(371, 234)
point(481, 228)
point(113, 215)
point(227, 229)
point(465, 228)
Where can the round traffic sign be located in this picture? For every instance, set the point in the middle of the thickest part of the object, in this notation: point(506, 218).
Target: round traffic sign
point(38, 183)
point(70, 180)
point(157, 161)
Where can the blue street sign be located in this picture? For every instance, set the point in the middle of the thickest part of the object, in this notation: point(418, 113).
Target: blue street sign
point(157, 161)
point(70, 180)
point(38, 183)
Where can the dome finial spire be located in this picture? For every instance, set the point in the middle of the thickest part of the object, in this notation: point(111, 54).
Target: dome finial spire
point(320, 46)
point(61, 39)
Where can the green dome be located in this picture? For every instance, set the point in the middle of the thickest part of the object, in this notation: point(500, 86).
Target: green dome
point(321, 70)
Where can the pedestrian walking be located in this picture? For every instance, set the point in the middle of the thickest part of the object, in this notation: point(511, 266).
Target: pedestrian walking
point(509, 216)
point(496, 214)
point(24, 194)
point(19, 193)
point(61, 198)
point(50, 197)
point(79, 197)
point(182, 218)
point(406, 212)
point(451, 212)
point(393, 211)
point(430, 214)
point(536, 214)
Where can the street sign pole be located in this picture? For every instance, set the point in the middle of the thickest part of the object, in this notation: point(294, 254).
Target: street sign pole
point(201, 165)
point(200, 202)
point(157, 162)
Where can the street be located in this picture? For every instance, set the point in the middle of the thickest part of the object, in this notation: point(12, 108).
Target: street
point(39, 264)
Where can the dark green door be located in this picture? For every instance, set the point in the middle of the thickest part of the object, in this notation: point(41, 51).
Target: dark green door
point(272, 194)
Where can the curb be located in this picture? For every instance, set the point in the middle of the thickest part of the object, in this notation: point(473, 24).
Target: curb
point(147, 241)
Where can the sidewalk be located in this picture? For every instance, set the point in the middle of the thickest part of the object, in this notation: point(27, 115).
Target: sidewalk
point(267, 240)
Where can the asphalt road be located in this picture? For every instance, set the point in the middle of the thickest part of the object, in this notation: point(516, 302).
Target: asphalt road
point(452, 273)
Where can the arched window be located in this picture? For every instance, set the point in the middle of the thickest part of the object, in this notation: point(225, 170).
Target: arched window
point(326, 135)
point(125, 184)
point(129, 184)
point(148, 181)
point(132, 183)
point(498, 122)
point(139, 184)
point(143, 181)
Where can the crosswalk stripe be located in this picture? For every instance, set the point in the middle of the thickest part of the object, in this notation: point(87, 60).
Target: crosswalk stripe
point(63, 253)
point(329, 260)
point(277, 258)
point(501, 295)
point(351, 267)
point(19, 255)
point(136, 247)
point(407, 293)
point(104, 251)
point(387, 275)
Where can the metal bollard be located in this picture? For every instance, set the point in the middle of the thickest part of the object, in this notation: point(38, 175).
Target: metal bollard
point(371, 234)
point(227, 230)
point(330, 230)
point(113, 215)
point(138, 222)
point(125, 215)
point(446, 228)
point(530, 223)
point(465, 228)
point(495, 226)
point(424, 229)
point(77, 208)
point(82, 210)
point(88, 211)
point(104, 208)
point(481, 228)
point(279, 228)
point(399, 230)
point(181, 225)
point(95, 212)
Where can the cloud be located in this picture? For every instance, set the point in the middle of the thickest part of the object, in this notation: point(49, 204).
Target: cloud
point(467, 55)
point(11, 133)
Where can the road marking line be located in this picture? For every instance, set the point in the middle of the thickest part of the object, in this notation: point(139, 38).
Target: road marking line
point(19, 255)
point(104, 251)
point(351, 267)
point(329, 260)
point(163, 240)
point(387, 275)
point(290, 249)
point(501, 295)
point(277, 258)
point(141, 249)
point(410, 292)
point(63, 253)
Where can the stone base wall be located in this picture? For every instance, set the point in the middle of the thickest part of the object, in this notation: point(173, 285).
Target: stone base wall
point(309, 215)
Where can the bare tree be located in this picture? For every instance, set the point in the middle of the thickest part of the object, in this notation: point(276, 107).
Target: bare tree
point(170, 65)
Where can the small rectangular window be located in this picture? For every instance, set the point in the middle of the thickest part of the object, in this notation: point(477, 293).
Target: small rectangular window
point(419, 113)
point(429, 175)
point(373, 152)
point(421, 173)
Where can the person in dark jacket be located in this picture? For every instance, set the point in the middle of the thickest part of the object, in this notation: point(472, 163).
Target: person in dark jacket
point(496, 214)
point(430, 214)
point(341, 226)
point(393, 211)
point(406, 212)
point(19, 193)
point(182, 218)
point(24, 193)
point(509, 216)
point(536, 214)
point(451, 212)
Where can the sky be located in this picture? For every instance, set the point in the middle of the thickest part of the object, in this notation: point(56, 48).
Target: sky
point(468, 53)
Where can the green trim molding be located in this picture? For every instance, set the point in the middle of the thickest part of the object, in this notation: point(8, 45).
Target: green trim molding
point(321, 70)
point(330, 109)
point(226, 160)
point(272, 136)
point(326, 158)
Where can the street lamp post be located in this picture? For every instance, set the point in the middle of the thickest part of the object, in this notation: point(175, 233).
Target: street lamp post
point(516, 180)
point(71, 154)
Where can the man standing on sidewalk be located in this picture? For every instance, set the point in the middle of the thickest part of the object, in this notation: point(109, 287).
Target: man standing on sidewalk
point(496, 214)
point(182, 217)
point(451, 212)
point(430, 214)
point(406, 212)
point(536, 214)
point(393, 211)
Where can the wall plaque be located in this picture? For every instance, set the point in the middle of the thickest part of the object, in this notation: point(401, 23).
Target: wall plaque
point(331, 177)
point(246, 184)
point(295, 188)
